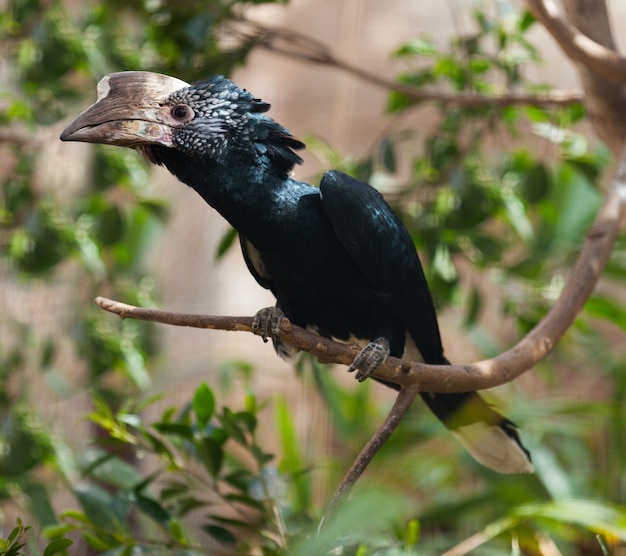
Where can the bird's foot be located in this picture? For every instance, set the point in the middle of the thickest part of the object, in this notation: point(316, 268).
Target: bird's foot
point(268, 320)
point(370, 358)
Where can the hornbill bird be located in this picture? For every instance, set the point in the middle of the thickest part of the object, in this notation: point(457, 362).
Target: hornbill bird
point(336, 257)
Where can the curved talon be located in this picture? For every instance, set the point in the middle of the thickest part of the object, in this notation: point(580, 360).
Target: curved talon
point(268, 320)
point(369, 359)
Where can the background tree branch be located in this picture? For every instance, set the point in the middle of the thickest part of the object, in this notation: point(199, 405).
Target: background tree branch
point(588, 40)
point(298, 46)
point(580, 48)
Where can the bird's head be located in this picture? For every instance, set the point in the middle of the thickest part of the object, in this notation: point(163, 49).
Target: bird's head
point(154, 113)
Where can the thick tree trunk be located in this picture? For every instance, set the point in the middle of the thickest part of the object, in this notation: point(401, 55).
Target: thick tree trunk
point(605, 100)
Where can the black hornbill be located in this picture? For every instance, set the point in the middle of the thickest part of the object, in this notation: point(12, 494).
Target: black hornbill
point(336, 257)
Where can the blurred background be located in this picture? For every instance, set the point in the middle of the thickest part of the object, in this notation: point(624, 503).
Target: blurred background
point(498, 200)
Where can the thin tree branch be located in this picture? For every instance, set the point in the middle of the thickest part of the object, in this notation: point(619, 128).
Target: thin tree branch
point(489, 373)
point(576, 45)
point(300, 47)
point(402, 404)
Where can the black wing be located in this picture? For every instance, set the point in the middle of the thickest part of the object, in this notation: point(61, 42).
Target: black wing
point(382, 248)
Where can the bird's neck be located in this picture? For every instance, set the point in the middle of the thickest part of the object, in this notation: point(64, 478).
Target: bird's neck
point(245, 193)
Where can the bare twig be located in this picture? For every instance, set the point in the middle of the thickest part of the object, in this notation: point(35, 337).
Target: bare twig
point(17, 137)
point(576, 45)
point(300, 47)
point(499, 370)
point(400, 407)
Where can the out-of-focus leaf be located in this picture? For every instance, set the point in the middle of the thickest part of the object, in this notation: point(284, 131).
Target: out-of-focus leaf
point(535, 183)
point(353, 520)
point(110, 469)
point(412, 533)
point(473, 307)
point(211, 453)
point(203, 404)
point(176, 531)
point(152, 509)
point(416, 47)
point(594, 515)
point(97, 504)
point(220, 534)
point(109, 226)
point(179, 429)
point(608, 309)
point(56, 546)
point(587, 166)
point(388, 155)
point(526, 21)
point(292, 461)
point(157, 208)
point(39, 503)
point(227, 241)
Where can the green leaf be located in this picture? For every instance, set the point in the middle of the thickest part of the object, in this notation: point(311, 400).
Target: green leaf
point(178, 429)
point(473, 307)
point(109, 226)
point(416, 47)
point(76, 515)
point(535, 183)
point(53, 531)
point(152, 509)
point(110, 469)
point(220, 534)
point(97, 504)
point(248, 420)
point(159, 447)
point(388, 155)
point(156, 208)
point(594, 515)
point(211, 453)
point(203, 404)
point(607, 308)
point(56, 546)
point(100, 543)
point(292, 459)
point(176, 531)
point(246, 500)
point(526, 21)
point(232, 426)
point(227, 241)
point(412, 533)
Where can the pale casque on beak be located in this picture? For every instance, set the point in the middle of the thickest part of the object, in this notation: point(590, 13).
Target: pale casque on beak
point(129, 112)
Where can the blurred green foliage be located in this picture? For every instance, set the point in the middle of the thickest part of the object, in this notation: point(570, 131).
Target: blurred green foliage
point(506, 191)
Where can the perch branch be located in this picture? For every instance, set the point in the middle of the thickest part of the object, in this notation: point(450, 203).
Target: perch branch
point(300, 47)
point(484, 374)
point(576, 45)
point(416, 377)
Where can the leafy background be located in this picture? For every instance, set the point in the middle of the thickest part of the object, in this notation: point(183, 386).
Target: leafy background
point(103, 452)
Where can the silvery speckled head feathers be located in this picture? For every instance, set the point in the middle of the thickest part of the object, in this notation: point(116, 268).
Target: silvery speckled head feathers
point(226, 117)
point(220, 95)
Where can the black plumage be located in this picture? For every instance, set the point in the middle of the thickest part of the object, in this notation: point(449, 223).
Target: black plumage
point(336, 257)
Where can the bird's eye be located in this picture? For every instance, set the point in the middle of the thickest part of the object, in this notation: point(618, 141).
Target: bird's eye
point(182, 113)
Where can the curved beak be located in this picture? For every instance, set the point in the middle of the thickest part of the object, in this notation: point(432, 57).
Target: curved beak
point(129, 111)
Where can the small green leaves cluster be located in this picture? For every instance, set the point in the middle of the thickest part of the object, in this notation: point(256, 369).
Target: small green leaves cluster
point(80, 223)
point(489, 60)
point(17, 540)
point(207, 467)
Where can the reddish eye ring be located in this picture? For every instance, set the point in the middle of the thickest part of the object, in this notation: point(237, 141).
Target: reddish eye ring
point(182, 113)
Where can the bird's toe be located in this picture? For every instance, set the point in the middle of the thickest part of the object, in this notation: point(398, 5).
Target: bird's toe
point(369, 359)
point(267, 321)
